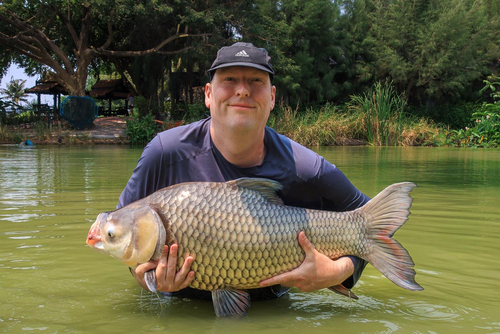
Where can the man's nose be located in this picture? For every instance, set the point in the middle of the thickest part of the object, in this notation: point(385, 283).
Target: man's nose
point(242, 89)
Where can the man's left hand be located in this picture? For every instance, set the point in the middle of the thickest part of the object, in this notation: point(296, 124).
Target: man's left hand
point(317, 271)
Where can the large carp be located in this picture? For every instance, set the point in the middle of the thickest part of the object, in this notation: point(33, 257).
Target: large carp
point(240, 233)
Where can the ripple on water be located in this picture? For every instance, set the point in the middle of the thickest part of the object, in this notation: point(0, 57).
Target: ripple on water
point(429, 311)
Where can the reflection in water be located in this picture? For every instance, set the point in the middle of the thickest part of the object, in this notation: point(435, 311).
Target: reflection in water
point(52, 282)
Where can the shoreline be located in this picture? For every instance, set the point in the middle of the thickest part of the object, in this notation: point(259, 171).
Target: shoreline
point(105, 130)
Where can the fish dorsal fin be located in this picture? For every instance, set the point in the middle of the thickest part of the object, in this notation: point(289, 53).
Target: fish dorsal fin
point(267, 188)
point(230, 302)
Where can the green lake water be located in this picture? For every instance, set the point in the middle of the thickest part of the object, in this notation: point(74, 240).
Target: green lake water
point(51, 282)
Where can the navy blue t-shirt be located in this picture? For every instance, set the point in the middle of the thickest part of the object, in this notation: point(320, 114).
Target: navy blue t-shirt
point(187, 154)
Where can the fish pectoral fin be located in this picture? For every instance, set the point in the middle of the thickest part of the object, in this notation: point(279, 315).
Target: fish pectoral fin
point(150, 279)
point(230, 302)
point(342, 290)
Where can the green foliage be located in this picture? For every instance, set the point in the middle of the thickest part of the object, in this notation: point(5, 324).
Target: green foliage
point(312, 50)
point(452, 115)
point(15, 118)
point(485, 131)
point(195, 112)
point(25, 117)
point(142, 106)
point(380, 109)
point(491, 83)
point(3, 112)
point(432, 49)
point(140, 129)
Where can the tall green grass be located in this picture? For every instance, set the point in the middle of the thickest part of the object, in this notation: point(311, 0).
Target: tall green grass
point(321, 127)
point(376, 118)
point(381, 111)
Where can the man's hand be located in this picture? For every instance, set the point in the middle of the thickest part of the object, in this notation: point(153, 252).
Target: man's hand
point(167, 279)
point(317, 271)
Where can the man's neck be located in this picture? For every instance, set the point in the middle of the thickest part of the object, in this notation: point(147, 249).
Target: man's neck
point(241, 149)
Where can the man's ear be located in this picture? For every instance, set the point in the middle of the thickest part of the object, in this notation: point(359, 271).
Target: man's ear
point(273, 97)
point(208, 94)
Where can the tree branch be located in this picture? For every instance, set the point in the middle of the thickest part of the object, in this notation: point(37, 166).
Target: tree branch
point(20, 46)
point(175, 52)
point(34, 35)
point(68, 24)
point(109, 53)
point(110, 32)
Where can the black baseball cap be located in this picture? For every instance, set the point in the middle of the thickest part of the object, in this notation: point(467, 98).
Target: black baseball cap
point(242, 54)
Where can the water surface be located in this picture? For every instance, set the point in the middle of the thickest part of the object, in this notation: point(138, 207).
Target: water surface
point(52, 282)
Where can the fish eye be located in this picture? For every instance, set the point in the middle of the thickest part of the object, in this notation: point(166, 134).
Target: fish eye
point(111, 234)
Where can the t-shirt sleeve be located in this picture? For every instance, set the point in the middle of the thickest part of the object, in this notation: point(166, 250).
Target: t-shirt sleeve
point(145, 178)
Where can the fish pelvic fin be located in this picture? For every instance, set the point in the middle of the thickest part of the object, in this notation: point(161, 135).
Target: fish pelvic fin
point(385, 214)
point(150, 279)
point(342, 290)
point(230, 302)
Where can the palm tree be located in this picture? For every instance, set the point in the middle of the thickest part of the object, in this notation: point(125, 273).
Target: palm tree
point(15, 91)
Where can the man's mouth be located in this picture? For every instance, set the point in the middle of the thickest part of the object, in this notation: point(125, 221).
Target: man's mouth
point(241, 106)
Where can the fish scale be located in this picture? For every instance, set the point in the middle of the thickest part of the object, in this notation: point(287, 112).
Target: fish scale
point(240, 233)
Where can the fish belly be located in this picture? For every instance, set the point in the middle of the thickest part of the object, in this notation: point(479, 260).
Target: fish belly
point(238, 238)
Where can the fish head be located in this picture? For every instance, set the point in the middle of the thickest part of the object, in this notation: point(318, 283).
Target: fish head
point(133, 234)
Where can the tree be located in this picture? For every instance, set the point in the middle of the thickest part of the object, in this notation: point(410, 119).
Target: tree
point(15, 91)
point(433, 49)
point(313, 49)
point(352, 72)
point(67, 37)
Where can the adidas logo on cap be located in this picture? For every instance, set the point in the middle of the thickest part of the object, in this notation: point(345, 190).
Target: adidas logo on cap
point(242, 53)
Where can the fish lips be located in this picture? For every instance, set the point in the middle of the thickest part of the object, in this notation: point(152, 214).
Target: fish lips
point(94, 237)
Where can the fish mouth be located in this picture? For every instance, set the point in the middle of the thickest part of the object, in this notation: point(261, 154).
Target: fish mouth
point(94, 238)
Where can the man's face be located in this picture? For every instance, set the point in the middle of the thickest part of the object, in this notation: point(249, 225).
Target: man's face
point(240, 97)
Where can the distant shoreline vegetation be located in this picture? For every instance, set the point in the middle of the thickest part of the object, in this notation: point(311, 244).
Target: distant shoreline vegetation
point(379, 117)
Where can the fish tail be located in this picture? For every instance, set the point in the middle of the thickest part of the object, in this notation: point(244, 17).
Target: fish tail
point(388, 211)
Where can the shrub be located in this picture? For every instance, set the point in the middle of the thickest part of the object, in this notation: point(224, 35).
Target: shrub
point(140, 129)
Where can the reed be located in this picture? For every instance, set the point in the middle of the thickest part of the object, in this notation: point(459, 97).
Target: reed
point(339, 126)
point(325, 126)
point(381, 111)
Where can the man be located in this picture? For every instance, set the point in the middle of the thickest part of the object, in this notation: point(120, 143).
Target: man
point(235, 142)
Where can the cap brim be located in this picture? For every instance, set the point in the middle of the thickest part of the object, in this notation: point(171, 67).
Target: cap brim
point(245, 64)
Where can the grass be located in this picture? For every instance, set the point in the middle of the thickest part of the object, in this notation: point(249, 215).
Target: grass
point(334, 126)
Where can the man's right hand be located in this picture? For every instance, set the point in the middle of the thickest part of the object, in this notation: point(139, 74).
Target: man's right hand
point(167, 279)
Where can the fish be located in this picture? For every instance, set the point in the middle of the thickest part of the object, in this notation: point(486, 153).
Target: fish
point(240, 232)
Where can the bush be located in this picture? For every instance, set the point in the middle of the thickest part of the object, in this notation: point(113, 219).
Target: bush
point(451, 115)
point(195, 112)
point(140, 129)
point(485, 129)
point(484, 133)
